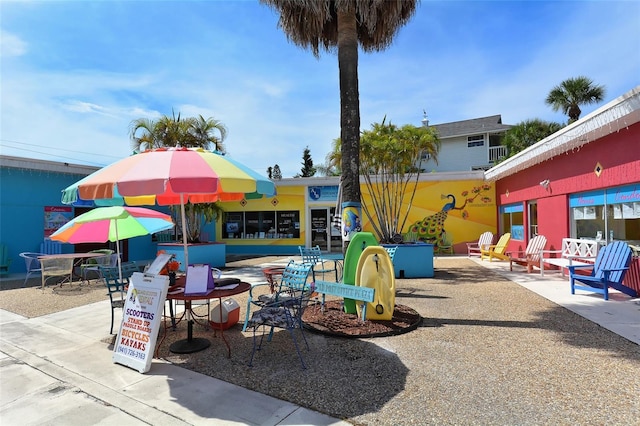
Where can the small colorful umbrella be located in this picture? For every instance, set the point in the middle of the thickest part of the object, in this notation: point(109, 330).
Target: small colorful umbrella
point(115, 223)
point(170, 176)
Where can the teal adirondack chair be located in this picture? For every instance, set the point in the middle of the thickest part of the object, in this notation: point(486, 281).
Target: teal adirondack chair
point(609, 270)
point(5, 262)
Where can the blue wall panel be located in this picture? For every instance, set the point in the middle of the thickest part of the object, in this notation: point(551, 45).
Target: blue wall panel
point(23, 196)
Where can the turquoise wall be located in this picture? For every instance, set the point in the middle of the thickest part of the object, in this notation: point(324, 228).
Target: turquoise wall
point(23, 195)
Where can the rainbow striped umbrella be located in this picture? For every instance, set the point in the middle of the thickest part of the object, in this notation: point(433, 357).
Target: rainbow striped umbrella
point(170, 176)
point(112, 224)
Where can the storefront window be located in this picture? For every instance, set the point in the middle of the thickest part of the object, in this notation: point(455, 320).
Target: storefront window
point(261, 225)
point(511, 220)
point(612, 214)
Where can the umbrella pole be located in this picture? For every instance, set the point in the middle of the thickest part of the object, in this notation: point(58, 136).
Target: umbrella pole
point(184, 233)
point(119, 262)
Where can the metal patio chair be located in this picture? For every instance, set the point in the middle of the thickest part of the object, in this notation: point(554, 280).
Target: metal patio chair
point(32, 263)
point(283, 309)
point(313, 256)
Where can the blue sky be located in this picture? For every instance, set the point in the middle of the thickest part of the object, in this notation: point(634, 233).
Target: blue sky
point(74, 74)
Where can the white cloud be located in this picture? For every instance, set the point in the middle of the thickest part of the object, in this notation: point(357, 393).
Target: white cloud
point(11, 45)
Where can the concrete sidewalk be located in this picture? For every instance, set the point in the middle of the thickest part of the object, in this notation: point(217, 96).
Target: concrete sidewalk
point(620, 314)
point(57, 369)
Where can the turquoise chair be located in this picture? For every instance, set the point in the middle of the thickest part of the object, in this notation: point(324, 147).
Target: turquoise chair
point(313, 256)
point(282, 309)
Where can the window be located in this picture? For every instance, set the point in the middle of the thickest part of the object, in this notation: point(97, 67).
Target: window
point(260, 225)
point(477, 140)
point(511, 220)
point(533, 219)
point(612, 214)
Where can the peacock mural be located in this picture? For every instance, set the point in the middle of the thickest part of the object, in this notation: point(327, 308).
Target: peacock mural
point(431, 229)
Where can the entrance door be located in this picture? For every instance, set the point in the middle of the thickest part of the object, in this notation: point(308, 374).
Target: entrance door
point(322, 233)
point(320, 228)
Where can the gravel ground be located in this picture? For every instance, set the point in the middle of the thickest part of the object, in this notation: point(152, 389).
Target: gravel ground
point(488, 352)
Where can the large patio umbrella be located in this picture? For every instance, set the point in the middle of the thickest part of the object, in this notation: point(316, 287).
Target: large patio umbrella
point(170, 176)
point(113, 224)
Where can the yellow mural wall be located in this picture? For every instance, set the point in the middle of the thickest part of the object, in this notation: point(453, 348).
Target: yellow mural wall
point(287, 198)
point(464, 209)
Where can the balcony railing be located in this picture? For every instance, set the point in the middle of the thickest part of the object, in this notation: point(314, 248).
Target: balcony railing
point(497, 152)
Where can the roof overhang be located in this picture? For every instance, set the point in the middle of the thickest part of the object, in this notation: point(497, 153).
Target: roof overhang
point(44, 165)
point(612, 117)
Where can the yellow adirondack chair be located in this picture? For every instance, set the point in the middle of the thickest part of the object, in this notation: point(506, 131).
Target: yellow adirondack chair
point(497, 251)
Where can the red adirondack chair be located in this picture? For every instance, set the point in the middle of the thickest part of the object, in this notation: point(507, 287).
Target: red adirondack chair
point(531, 256)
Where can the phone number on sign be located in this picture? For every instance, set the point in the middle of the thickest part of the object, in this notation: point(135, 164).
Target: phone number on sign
point(131, 352)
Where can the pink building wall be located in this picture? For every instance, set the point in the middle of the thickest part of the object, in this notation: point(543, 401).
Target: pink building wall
point(617, 154)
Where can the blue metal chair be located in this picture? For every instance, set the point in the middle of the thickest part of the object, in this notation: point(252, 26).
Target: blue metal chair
point(313, 256)
point(283, 309)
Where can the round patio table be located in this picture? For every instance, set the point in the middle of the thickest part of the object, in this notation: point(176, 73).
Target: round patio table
point(273, 274)
point(195, 344)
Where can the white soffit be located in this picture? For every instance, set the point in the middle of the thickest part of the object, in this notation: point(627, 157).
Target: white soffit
point(612, 117)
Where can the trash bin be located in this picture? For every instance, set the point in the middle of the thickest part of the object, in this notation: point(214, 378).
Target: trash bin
point(230, 314)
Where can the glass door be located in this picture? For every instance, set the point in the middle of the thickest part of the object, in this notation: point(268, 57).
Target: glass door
point(320, 228)
point(324, 234)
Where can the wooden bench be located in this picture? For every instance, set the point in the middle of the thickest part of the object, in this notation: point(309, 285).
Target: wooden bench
point(363, 294)
point(575, 251)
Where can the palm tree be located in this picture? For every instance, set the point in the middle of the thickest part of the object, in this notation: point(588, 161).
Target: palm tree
point(189, 133)
point(332, 160)
point(175, 131)
point(527, 133)
point(204, 131)
point(573, 92)
point(390, 156)
point(344, 24)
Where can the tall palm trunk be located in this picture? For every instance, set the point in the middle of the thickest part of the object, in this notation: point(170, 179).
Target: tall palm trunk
point(349, 105)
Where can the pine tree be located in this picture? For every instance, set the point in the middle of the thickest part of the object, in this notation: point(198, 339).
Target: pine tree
point(307, 169)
